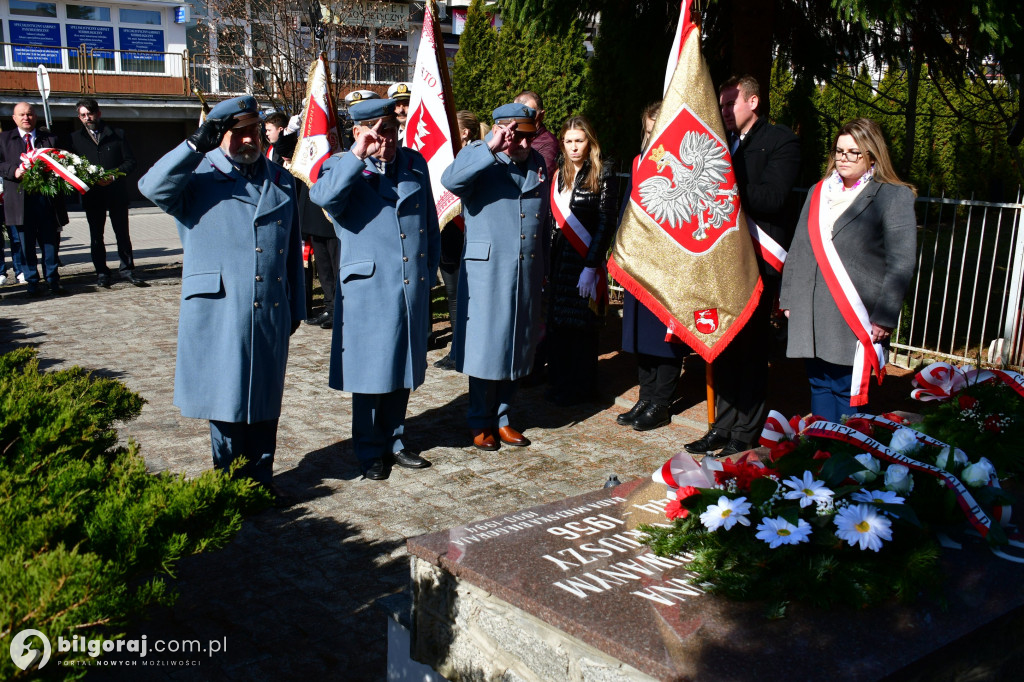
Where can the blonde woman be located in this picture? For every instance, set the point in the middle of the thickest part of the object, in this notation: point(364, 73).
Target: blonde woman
point(848, 269)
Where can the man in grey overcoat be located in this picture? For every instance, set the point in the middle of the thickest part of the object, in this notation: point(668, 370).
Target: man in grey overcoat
point(242, 288)
point(378, 196)
point(505, 191)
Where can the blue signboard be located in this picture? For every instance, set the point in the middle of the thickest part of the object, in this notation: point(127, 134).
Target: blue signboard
point(92, 37)
point(143, 39)
point(40, 37)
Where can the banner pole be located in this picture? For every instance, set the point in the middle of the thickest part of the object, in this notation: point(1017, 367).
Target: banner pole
point(709, 377)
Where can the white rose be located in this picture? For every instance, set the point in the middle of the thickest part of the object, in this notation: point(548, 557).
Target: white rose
point(979, 473)
point(898, 479)
point(959, 457)
point(904, 441)
point(872, 465)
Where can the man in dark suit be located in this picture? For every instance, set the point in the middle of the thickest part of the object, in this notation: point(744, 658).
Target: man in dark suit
point(31, 217)
point(766, 160)
point(106, 147)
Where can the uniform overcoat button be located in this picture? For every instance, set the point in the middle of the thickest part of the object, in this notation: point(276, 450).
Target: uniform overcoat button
point(522, 236)
point(522, 215)
point(421, 279)
point(259, 249)
point(256, 304)
point(402, 235)
point(521, 256)
point(259, 278)
point(278, 222)
point(275, 304)
point(405, 259)
point(280, 250)
point(406, 281)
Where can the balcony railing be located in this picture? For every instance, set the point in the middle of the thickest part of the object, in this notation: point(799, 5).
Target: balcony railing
point(85, 70)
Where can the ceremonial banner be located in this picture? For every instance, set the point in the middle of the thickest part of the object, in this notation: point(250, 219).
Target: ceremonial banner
point(318, 134)
point(431, 123)
point(683, 248)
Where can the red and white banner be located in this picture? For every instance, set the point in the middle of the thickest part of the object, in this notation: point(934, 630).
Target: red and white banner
point(430, 129)
point(869, 356)
point(318, 135)
point(677, 47)
point(772, 251)
point(43, 154)
point(683, 248)
point(576, 234)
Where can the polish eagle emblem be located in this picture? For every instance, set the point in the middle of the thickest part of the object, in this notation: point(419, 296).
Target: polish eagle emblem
point(694, 191)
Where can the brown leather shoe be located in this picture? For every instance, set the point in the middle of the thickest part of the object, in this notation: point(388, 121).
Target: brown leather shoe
point(510, 436)
point(483, 439)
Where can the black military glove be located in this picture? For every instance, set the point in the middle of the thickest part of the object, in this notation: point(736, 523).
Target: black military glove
point(209, 135)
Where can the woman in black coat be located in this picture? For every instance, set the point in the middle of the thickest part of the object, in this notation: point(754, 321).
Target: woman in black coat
point(659, 362)
point(584, 193)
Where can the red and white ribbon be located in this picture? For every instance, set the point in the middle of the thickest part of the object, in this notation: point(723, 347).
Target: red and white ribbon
point(60, 170)
point(868, 356)
point(575, 233)
point(772, 251)
point(832, 431)
point(683, 470)
point(941, 380)
point(777, 428)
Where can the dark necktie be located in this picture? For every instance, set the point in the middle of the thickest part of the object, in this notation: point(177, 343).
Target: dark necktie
point(28, 142)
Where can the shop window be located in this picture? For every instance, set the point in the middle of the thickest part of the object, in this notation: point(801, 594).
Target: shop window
point(33, 9)
point(140, 16)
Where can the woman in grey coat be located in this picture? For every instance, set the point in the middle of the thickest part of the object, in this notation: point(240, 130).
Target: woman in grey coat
point(848, 269)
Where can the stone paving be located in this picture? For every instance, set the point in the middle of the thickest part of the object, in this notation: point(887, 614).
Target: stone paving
point(306, 590)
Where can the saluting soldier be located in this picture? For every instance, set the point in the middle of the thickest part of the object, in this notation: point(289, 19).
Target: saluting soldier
point(378, 195)
point(242, 289)
point(504, 189)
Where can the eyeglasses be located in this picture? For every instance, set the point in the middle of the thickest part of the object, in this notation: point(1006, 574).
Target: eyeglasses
point(523, 136)
point(848, 155)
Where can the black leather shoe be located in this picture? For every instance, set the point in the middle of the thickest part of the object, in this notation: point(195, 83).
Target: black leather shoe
point(103, 280)
point(653, 417)
point(410, 460)
point(375, 472)
point(627, 418)
point(319, 319)
point(282, 500)
point(59, 290)
point(447, 362)
point(130, 276)
point(328, 323)
point(733, 447)
point(709, 442)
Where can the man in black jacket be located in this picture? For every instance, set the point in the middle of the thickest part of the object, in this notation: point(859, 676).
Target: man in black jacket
point(106, 147)
point(766, 160)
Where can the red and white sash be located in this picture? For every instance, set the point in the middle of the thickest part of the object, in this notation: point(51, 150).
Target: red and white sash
point(772, 251)
point(59, 169)
point(575, 233)
point(869, 356)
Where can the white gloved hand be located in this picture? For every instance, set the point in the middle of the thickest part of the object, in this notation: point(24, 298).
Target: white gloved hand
point(294, 123)
point(587, 285)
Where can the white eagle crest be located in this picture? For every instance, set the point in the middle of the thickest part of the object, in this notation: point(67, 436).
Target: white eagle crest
point(694, 188)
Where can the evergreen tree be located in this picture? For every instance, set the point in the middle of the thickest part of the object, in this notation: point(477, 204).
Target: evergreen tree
point(471, 73)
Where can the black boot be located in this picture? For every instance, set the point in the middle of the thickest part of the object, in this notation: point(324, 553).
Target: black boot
point(655, 416)
point(627, 418)
point(709, 442)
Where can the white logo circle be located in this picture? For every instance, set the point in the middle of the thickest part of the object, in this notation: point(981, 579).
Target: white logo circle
point(23, 655)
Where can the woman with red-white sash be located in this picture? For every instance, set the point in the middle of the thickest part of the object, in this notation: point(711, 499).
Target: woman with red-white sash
point(584, 192)
point(848, 270)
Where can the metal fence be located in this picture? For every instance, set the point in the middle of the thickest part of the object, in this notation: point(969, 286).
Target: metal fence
point(964, 303)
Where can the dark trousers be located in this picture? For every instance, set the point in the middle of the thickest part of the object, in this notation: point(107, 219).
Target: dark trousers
point(658, 377)
point(741, 374)
point(257, 442)
point(378, 424)
point(326, 253)
point(46, 236)
point(489, 401)
point(17, 260)
point(572, 360)
point(96, 209)
point(830, 389)
point(451, 290)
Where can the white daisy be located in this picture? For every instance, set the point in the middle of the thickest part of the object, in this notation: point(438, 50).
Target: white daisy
point(779, 531)
point(877, 497)
point(727, 513)
point(863, 525)
point(807, 490)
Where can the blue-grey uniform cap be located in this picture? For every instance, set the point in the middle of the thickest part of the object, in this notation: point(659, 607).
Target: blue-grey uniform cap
point(523, 116)
point(371, 109)
point(244, 109)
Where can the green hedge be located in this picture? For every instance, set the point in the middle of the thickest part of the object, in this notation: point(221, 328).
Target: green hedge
point(89, 536)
